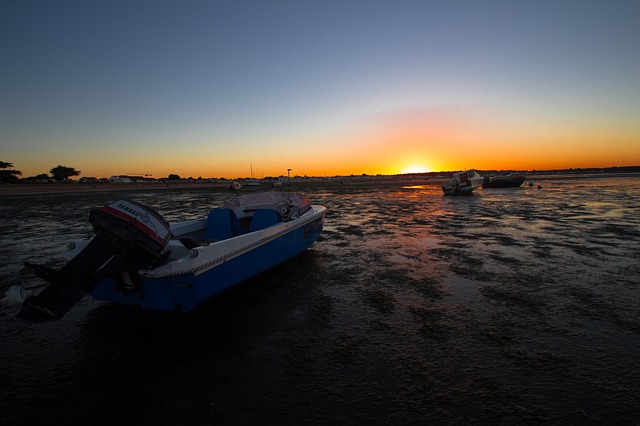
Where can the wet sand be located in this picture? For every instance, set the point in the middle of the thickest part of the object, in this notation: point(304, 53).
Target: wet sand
point(61, 188)
point(510, 306)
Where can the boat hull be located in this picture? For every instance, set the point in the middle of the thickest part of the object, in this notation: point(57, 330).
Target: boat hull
point(183, 292)
point(504, 181)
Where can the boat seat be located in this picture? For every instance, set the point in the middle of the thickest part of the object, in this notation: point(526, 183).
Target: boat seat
point(221, 224)
point(264, 218)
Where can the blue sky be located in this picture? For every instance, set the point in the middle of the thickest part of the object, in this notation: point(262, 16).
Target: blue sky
point(209, 87)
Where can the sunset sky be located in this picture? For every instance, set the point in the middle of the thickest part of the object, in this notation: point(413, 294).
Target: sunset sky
point(213, 88)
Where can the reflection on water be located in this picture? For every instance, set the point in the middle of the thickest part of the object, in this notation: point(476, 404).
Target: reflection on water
point(514, 304)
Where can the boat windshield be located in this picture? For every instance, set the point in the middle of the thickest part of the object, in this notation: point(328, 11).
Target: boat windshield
point(300, 201)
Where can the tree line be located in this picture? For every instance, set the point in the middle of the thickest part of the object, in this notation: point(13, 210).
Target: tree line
point(60, 173)
point(8, 174)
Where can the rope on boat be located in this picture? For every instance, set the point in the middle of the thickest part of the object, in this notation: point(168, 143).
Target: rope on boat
point(219, 260)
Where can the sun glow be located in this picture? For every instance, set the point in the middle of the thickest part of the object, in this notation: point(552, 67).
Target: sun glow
point(416, 169)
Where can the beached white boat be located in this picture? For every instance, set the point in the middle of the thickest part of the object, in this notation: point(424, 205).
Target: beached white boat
point(137, 258)
point(463, 183)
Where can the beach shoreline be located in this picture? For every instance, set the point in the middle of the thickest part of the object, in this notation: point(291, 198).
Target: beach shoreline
point(300, 184)
point(62, 188)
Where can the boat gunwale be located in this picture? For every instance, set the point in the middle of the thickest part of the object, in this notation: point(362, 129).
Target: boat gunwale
point(201, 259)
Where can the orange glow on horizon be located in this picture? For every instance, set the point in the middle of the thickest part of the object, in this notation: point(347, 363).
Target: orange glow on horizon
point(419, 140)
point(391, 167)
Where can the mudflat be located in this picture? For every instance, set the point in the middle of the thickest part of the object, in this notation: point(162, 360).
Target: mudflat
point(20, 189)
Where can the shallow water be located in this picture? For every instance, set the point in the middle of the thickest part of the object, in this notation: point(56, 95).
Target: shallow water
point(508, 306)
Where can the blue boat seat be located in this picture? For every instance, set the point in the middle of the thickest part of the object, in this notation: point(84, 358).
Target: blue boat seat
point(221, 224)
point(264, 218)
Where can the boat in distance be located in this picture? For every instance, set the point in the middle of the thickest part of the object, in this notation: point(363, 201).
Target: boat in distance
point(462, 183)
point(507, 180)
point(137, 258)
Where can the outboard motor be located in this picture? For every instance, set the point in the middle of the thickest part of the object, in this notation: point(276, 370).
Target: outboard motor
point(128, 237)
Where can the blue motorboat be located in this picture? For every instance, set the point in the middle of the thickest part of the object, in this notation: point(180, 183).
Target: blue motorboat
point(137, 258)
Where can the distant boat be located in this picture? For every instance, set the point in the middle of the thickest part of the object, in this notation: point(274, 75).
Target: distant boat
point(136, 258)
point(507, 180)
point(463, 183)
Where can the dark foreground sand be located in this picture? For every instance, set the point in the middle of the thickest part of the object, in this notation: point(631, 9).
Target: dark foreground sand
point(511, 306)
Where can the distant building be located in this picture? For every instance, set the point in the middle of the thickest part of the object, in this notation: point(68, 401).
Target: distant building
point(119, 179)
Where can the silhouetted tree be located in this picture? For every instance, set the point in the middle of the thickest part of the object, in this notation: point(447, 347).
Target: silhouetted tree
point(10, 175)
point(174, 177)
point(63, 173)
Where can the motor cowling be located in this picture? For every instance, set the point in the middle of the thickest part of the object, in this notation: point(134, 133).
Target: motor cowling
point(128, 236)
point(135, 224)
